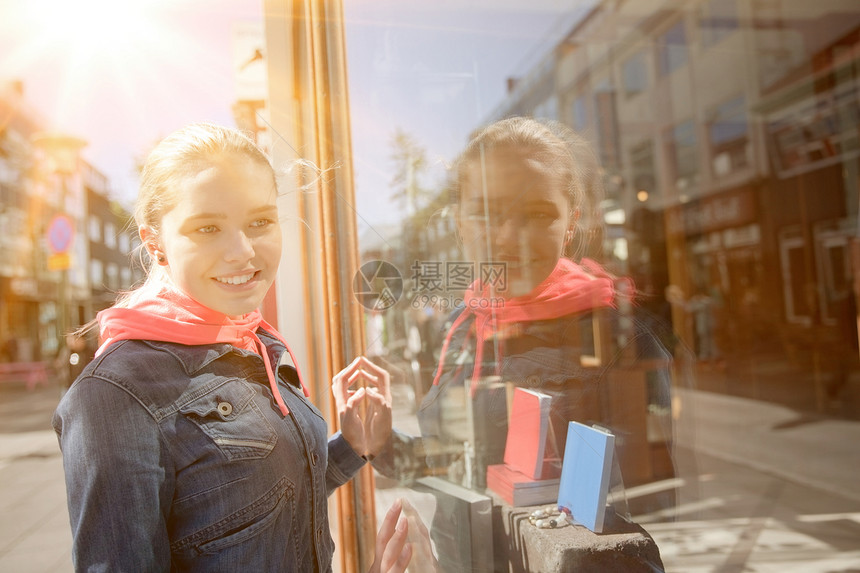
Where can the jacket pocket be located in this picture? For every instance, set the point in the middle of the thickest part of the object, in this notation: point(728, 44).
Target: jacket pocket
point(242, 526)
point(231, 418)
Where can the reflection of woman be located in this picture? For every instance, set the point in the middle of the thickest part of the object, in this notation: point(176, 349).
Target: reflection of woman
point(563, 327)
point(187, 444)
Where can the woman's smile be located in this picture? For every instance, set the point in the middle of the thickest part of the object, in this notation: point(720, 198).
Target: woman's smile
point(236, 279)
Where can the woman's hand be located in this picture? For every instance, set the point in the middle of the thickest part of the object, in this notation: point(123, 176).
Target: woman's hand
point(365, 413)
point(419, 538)
point(393, 552)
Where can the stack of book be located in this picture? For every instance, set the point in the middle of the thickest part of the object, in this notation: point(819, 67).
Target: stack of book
point(529, 474)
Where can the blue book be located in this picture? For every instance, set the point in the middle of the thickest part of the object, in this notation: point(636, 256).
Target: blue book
point(585, 473)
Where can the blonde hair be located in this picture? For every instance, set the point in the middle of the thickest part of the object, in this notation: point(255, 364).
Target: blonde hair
point(181, 154)
point(558, 148)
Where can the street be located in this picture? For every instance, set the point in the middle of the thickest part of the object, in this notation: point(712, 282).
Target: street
point(732, 517)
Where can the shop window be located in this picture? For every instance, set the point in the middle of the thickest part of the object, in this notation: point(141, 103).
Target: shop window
point(682, 150)
point(834, 272)
point(96, 273)
point(728, 135)
point(672, 49)
point(94, 228)
point(643, 172)
point(579, 114)
point(124, 242)
point(634, 74)
point(607, 125)
point(718, 19)
point(797, 279)
point(110, 235)
point(112, 275)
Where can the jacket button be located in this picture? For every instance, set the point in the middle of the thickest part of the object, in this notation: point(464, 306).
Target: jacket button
point(225, 408)
point(315, 458)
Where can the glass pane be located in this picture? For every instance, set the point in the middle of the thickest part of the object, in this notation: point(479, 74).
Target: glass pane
point(641, 217)
point(710, 172)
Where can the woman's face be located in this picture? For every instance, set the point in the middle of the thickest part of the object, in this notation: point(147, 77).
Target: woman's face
point(222, 240)
point(515, 211)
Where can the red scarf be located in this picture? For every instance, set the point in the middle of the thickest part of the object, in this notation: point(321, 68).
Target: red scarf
point(570, 288)
point(172, 316)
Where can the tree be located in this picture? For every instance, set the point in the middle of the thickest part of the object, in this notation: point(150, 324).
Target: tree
point(410, 163)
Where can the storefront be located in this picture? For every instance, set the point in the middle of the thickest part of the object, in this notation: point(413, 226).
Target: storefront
point(28, 320)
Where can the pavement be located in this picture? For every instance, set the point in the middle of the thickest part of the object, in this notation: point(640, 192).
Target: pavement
point(34, 531)
point(772, 490)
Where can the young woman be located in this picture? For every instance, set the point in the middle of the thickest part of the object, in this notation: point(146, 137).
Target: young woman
point(189, 443)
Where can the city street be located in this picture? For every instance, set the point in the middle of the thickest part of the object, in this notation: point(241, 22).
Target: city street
point(733, 517)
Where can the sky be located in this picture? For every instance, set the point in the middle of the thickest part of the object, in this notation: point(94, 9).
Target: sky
point(121, 75)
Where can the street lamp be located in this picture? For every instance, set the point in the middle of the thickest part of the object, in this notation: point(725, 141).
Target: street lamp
point(61, 153)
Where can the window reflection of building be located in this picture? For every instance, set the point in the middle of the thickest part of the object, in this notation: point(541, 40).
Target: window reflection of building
point(739, 175)
point(682, 149)
point(672, 48)
point(728, 137)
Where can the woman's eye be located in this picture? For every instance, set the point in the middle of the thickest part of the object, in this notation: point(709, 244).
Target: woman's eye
point(207, 229)
point(539, 216)
point(262, 223)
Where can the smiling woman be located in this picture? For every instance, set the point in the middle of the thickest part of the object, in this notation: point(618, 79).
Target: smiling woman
point(191, 341)
point(222, 248)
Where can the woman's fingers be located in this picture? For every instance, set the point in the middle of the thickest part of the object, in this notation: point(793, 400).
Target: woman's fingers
point(389, 523)
point(403, 560)
point(374, 376)
point(341, 381)
point(378, 376)
point(419, 540)
point(397, 546)
point(355, 398)
point(393, 552)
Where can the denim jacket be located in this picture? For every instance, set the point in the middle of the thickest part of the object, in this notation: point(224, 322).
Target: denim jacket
point(178, 459)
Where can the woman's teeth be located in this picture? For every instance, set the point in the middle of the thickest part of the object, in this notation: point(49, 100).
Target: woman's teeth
point(235, 280)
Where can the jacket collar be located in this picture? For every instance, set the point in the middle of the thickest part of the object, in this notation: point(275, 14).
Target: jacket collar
point(196, 357)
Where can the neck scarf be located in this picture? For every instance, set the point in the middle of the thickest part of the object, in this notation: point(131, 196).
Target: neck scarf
point(569, 289)
point(172, 316)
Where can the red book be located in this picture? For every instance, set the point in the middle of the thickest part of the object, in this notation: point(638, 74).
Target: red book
point(517, 489)
point(525, 448)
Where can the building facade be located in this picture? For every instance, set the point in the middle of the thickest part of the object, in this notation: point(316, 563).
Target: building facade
point(728, 136)
point(64, 249)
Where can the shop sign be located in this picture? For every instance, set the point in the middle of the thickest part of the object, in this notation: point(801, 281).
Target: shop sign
point(24, 286)
point(712, 213)
point(816, 132)
point(742, 236)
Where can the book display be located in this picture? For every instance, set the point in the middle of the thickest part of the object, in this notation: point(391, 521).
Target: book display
point(518, 489)
point(528, 427)
point(585, 474)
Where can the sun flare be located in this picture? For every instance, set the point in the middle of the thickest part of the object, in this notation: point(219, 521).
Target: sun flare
point(100, 55)
point(90, 27)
